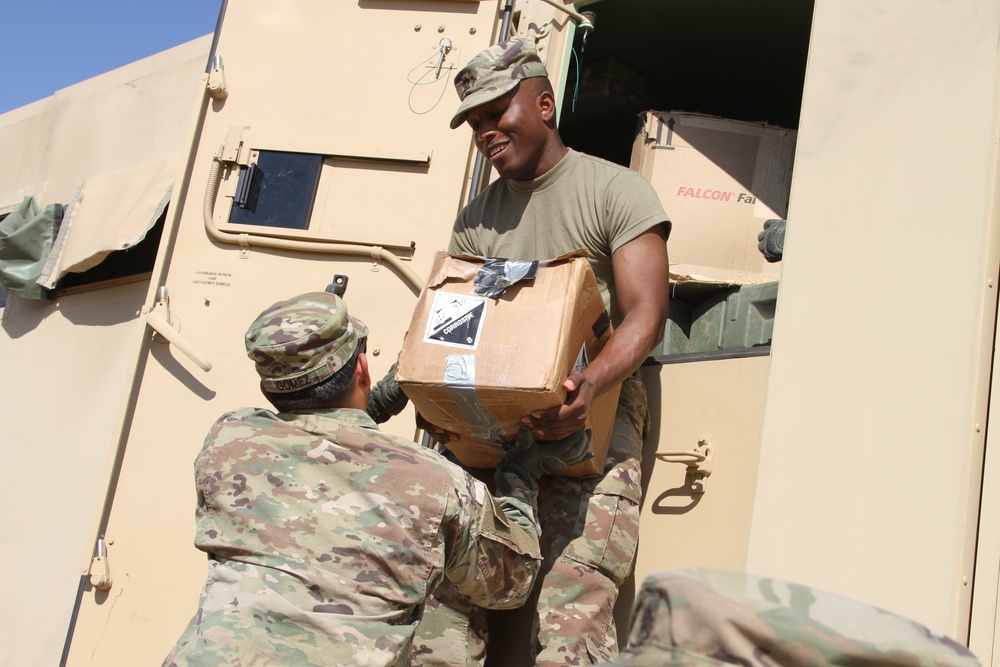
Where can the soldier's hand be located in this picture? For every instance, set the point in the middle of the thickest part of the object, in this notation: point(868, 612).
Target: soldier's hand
point(771, 241)
point(386, 399)
point(564, 420)
point(539, 458)
point(435, 432)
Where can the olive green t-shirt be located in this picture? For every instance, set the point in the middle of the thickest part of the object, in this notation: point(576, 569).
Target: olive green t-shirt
point(582, 202)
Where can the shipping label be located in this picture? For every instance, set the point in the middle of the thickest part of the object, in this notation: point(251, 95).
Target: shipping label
point(456, 320)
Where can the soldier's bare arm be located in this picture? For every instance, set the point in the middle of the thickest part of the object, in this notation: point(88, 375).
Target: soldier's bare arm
point(642, 276)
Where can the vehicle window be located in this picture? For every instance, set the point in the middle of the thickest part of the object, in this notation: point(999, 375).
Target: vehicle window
point(121, 266)
point(277, 189)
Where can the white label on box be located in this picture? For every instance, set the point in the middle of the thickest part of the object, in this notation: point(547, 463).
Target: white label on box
point(581, 359)
point(456, 320)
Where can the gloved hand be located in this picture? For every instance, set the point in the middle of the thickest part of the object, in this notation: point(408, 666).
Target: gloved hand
point(550, 457)
point(386, 399)
point(771, 241)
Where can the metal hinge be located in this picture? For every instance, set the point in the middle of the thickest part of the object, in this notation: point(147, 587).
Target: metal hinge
point(100, 572)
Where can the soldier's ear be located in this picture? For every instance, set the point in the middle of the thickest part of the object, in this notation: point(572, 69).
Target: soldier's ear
point(546, 102)
point(361, 374)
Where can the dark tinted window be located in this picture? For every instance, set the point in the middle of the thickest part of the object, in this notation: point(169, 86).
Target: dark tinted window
point(277, 190)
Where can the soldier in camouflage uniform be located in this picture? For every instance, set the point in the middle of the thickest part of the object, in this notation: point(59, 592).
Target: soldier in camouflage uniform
point(550, 200)
point(704, 617)
point(325, 535)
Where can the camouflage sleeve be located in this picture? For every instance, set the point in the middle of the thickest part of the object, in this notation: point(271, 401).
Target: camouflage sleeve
point(700, 616)
point(494, 557)
point(517, 494)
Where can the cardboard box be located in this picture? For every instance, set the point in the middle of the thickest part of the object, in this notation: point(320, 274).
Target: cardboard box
point(719, 180)
point(477, 365)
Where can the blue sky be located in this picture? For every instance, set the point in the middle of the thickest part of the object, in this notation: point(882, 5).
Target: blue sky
point(46, 45)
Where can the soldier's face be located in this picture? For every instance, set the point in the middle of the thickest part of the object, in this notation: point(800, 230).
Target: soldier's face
point(511, 132)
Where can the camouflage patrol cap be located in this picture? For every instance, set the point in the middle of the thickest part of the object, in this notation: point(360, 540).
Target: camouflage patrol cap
point(299, 342)
point(494, 73)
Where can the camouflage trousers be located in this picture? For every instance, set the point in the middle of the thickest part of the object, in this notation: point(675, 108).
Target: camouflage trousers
point(589, 533)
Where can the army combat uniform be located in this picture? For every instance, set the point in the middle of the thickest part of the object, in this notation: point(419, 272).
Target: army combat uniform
point(589, 526)
point(700, 617)
point(325, 536)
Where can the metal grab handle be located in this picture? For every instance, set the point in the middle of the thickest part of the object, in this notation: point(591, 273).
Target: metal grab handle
point(582, 19)
point(699, 462)
point(159, 320)
point(688, 457)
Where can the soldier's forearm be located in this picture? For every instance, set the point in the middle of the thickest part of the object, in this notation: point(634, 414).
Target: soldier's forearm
point(624, 352)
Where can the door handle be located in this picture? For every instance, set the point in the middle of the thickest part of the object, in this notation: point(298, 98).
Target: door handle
point(160, 321)
point(699, 462)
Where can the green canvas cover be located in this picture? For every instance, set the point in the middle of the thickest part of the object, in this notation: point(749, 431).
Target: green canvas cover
point(25, 241)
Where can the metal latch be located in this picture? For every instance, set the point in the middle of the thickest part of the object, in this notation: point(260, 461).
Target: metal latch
point(248, 187)
point(338, 286)
point(698, 461)
point(100, 573)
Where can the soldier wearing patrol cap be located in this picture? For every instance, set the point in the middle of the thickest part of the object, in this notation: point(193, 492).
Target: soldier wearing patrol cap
point(324, 535)
point(550, 200)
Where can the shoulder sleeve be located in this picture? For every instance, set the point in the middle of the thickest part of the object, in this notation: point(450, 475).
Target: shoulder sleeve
point(492, 546)
point(462, 236)
point(632, 207)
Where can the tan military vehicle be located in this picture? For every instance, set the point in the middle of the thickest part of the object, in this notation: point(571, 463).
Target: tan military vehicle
point(823, 419)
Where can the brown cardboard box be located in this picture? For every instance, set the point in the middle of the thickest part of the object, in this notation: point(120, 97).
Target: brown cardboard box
point(719, 180)
point(477, 365)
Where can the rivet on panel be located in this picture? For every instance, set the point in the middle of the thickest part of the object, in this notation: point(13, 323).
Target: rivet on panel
point(472, 30)
point(990, 283)
point(376, 352)
point(417, 27)
point(979, 428)
point(440, 28)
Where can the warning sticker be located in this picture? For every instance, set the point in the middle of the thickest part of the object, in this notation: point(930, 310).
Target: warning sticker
point(456, 320)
